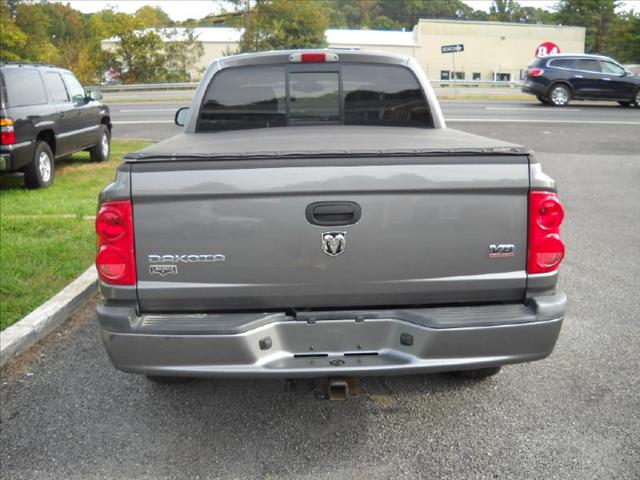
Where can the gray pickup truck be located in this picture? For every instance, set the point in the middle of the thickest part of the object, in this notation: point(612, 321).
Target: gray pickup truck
point(316, 219)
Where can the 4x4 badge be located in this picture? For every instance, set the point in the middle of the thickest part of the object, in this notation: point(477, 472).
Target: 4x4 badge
point(163, 270)
point(334, 243)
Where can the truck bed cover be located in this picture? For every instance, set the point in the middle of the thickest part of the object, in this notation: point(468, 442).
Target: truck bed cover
point(323, 141)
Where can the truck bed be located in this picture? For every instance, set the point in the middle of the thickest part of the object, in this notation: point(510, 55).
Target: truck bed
point(323, 141)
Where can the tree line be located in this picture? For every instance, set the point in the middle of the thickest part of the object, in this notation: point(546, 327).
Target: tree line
point(149, 49)
point(281, 24)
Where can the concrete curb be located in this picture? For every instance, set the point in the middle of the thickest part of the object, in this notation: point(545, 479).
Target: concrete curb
point(20, 336)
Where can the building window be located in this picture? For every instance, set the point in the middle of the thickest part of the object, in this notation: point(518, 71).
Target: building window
point(502, 77)
point(444, 74)
point(476, 75)
point(458, 75)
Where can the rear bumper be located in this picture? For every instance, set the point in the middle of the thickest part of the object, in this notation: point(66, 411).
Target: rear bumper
point(534, 88)
point(362, 343)
point(16, 157)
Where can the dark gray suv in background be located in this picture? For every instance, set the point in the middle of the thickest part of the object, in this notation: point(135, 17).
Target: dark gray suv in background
point(557, 79)
point(45, 114)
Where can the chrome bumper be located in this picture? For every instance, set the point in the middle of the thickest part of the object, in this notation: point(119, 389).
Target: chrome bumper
point(361, 344)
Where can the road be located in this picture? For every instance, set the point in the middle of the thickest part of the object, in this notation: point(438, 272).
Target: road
point(66, 413)
point(519, 121)
point(444, 92)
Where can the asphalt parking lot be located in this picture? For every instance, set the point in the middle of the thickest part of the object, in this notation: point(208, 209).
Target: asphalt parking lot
point(66, 413)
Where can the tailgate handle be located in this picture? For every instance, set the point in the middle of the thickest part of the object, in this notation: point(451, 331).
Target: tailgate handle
point(333, 213)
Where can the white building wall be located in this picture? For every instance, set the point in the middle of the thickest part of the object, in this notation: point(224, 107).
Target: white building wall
point(489, 47)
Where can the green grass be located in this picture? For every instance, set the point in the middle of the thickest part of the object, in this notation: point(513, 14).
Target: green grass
point(46, 239)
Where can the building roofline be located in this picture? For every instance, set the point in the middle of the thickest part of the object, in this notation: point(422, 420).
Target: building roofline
point(487, 22)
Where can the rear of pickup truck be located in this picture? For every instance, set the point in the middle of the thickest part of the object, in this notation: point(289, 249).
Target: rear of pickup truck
point(328, 250)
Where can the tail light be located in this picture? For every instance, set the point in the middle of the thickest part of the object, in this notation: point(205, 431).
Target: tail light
point(546, 250)
point(313, 57)
point(7, 132)
point(536, 72)
point(116, 261)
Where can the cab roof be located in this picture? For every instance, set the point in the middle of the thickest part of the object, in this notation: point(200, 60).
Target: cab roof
point(282, 56)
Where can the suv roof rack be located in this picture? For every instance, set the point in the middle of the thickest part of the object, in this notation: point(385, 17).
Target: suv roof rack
point(586, 55)
point(28, 64)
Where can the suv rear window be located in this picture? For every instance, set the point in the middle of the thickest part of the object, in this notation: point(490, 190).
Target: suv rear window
point(24, 87)
point(562, 63)
point(260, 97)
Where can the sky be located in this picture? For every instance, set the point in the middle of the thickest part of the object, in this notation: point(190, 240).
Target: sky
point(184, 9)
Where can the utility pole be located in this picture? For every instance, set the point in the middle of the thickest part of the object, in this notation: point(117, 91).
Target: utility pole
point(455, 80)
point(248, 27)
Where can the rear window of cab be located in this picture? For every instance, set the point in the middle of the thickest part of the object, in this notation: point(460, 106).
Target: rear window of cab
point(273, 96)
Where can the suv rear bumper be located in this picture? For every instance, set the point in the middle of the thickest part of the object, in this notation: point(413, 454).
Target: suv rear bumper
point(17, 156)
point(349, 343)
point(534, 88)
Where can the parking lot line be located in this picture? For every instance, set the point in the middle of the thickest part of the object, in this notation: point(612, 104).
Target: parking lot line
point(132, 110)
point(131, 122)
point(535, 109)
point(461, 120)
point(540, 120)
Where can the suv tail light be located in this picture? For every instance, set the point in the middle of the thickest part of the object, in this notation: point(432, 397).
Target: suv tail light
point(7, 132)
point(536, 72)
point(115, 260)
point(546, 250)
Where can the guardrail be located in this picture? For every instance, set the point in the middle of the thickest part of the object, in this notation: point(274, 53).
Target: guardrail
point(144, 86)
point(193, 85)
point(475, 83)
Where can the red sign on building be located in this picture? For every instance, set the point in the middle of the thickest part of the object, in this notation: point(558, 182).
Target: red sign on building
point(547, 48)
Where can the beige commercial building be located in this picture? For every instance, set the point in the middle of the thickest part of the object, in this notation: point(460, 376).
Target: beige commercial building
point(491, 50)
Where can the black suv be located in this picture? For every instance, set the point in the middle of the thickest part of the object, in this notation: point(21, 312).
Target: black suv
point(559, 78)
point(45, 114)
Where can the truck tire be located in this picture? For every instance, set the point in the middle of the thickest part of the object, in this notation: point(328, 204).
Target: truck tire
point(40, 172)
point(636, 99)
point(478, 373)
point(101, 151)
point(559, 95)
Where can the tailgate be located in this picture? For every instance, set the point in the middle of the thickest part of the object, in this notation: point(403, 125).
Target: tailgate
point(225, 235)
